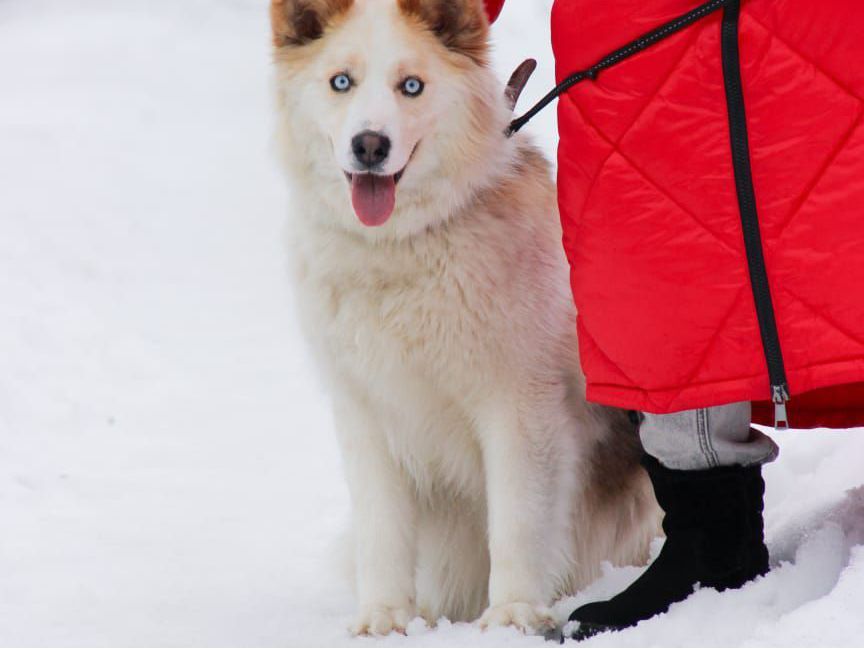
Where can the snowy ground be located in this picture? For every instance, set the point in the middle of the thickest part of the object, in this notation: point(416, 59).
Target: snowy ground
point(168, 475)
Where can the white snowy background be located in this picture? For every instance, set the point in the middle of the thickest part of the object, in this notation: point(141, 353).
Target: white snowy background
point(168, 472)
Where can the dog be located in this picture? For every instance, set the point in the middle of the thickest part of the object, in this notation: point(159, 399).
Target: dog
point(434, 292)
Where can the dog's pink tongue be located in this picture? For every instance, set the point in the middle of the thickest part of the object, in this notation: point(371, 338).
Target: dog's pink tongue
point(373, 198)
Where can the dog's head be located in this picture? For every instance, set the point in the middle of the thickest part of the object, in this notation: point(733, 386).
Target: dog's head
point(387, 107)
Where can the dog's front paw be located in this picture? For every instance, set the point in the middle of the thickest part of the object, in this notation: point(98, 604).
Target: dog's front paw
point(525, 617)
point(381, 620)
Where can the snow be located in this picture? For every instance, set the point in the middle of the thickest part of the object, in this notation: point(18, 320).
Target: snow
point(168, 472)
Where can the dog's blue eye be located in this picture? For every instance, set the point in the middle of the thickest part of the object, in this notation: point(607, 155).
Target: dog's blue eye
point(341, 83)
point(412, 87)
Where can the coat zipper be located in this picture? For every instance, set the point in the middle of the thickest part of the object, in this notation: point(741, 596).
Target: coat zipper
point(749, 215)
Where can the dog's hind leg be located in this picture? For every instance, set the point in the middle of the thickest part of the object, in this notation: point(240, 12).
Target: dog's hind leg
point(452, 562)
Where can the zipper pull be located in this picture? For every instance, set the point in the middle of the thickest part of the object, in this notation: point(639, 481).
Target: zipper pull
point(780, 396)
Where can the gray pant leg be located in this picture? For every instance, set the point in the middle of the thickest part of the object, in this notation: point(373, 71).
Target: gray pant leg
point(706, 438)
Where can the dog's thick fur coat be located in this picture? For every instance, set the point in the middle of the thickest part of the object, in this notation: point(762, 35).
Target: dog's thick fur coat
point(480, 478)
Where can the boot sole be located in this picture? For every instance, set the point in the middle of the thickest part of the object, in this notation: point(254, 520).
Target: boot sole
point(587, 630)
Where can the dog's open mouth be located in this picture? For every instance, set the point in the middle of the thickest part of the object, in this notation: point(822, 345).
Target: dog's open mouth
point(373, 196)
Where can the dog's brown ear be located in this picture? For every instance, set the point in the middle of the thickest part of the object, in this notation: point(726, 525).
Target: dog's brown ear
point(298, 22)
point(462, 25)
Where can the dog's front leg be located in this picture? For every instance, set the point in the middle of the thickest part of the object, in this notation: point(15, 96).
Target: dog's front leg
point(519, 494)
point(384, 518)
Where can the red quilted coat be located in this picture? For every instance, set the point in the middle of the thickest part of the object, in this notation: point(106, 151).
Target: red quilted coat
point(712, 195)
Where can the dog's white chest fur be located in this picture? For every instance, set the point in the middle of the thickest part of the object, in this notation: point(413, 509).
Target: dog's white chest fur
point(401, 316)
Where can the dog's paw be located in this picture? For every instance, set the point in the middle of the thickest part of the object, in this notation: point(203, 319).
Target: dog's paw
point(525, 617)
point(380, 621)
point(429, 619)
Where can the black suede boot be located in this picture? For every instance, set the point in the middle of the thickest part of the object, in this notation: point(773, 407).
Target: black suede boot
point(714, 538)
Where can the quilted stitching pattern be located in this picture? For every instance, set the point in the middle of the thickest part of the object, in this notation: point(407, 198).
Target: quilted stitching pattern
point(669, 140)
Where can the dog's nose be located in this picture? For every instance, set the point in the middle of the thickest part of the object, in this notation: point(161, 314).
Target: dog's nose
point(370, 148)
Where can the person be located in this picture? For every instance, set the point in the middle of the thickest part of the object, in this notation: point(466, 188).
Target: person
point(711, 190)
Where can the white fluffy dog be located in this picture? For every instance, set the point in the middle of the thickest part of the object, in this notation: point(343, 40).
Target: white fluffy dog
point(434, 289)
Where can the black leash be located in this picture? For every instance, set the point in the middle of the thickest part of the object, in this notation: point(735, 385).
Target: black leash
point(643, 42)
